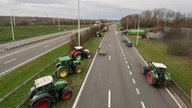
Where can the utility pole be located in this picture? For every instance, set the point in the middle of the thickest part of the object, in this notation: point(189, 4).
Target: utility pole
point(59, 27)
point(127, 23)
point(138, 32)
point(79, 40)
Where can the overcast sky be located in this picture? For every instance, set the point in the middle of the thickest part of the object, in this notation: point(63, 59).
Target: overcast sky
point(94, 9)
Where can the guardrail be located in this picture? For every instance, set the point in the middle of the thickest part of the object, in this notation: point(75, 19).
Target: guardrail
point(179, 91)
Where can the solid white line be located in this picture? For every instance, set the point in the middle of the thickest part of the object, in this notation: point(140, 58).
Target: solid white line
point(109, 58)
point(10, 61)
point(28, 48)
point(173, 97)
point(109, 98)
point(5, 72)
point(85, 80)
point(125, 58)
point(128, 67)
point(137, 91)
point(142, 104)
point(126, 62)
point(130, 73)
point(133, 81)
point(165, 87)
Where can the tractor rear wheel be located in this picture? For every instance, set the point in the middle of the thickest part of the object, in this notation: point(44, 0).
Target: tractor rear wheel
point(88, 55)
point(78, 57)
point(62, 73)
point(150, 79)
point(78, 69)
point(66, 94)
point(42, 103)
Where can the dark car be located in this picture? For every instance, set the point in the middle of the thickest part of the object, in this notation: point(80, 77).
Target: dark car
point(129, 44)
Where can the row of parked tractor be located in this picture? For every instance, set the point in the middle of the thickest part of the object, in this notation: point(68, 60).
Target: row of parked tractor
point(45, 91)
point(155, 72)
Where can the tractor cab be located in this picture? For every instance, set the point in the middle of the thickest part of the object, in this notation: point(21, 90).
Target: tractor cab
point(160, 68)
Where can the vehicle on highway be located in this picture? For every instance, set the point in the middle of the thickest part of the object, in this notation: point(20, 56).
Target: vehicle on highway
point(156, 74)
point(45, 92)
point(79, 52)
point(66, 66)
point(98, 34)
point(129, 44)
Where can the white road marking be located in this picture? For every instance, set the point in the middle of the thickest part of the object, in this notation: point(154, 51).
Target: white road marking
point(3, 73)
point(130, 73)
point(10, 61)
point(46, 46)
point(109, 45)
point(128, 66)
point(109, 98)
point(109, 58)
point(173, 98)
point(142, 104)
point(28, 48)
point(137, 91)
point(133, 81)
point(126, 62)
point(83, 84)
point(125, 58)
point(165, 87)
point(123, 55)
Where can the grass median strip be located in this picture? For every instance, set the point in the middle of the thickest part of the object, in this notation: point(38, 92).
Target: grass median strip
point(23, 73)
point(178, 66)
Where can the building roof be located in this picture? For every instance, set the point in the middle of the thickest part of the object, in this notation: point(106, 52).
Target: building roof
point(78, 47)
point(43, 81)
point(159, 65)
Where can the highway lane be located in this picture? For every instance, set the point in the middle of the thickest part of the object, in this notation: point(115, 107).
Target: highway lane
point(12, 59)
point(115, 81)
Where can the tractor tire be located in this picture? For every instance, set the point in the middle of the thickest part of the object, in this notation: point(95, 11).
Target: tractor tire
point(150, 79)
point(167, 83)
point(78, 69)
point(62, 73)
point(89, 55)
point(42, 103)
point(66, 93)
point(78, 57)
point(145, 70)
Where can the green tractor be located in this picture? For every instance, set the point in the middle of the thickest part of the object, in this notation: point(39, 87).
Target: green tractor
point(156, 74)
point(45, 92)
point(67, 66)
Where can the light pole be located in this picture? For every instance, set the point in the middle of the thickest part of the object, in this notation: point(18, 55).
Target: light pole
point(79, 40)
point(12, 30)
point(59, 25)
point(138, 32)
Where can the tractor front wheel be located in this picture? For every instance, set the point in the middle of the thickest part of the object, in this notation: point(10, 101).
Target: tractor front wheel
point(42, 103)
point(78, 69)
point(150, 79)
point(66, 94)
point(78, 57)
point(62, 73)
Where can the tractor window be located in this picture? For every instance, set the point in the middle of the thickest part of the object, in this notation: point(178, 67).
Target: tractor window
point(63, 63)
point(162, 70)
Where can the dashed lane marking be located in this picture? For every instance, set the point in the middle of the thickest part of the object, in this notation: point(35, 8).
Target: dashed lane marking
point(109, 98)
point(109, 58)
point(137, 91)
point(125, 58)
point(130, 73)
point(133, 81)
point(142, 104)
point(126, 62)
point(128, 66)
point(10, 61)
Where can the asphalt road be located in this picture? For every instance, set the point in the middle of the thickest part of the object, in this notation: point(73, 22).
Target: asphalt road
point(14, 58)
point(115, 80)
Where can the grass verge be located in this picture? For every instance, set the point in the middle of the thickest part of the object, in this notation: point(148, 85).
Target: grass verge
point(179, 67)
point(24, 32)
point(21, 74)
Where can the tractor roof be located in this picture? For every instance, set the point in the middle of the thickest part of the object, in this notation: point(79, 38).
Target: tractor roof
point(78, 47)
point(43, 81)
point(64, 58)
point(159, 65)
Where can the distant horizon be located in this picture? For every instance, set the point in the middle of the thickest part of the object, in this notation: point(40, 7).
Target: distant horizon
point(89, 9)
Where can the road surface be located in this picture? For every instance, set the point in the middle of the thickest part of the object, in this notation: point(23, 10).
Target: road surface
point(115, 81)
point(14, 58)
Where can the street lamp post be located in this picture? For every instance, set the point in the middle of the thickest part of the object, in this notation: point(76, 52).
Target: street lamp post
point(79, 43)
point(12, 30)
point(138, 32)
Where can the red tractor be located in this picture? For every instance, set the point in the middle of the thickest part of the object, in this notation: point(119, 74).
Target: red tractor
point(79, 52)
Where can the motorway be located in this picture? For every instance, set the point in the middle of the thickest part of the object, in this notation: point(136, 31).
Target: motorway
point(14, 58)
point(115, 80)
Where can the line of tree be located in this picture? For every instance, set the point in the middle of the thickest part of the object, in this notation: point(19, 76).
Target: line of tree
point(158, 17)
